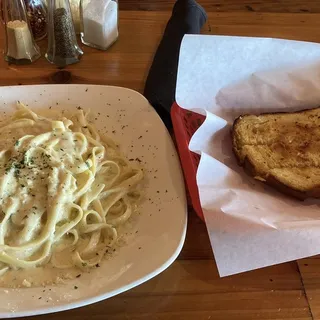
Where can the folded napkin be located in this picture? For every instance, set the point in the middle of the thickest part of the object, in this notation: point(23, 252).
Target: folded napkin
point(188, 17)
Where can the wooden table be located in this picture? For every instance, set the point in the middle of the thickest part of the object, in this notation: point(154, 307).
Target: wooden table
point(191, 288)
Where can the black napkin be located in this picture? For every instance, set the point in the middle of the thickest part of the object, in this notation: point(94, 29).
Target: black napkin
point(188, 17)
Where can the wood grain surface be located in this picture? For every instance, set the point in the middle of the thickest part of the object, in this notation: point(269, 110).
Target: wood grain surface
point(277, 6)
point(191, 289)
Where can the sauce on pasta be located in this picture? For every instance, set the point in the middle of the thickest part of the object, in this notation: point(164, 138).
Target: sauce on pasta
point(64, 192)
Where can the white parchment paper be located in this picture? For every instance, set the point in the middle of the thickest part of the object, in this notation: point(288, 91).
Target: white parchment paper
point(250, 225)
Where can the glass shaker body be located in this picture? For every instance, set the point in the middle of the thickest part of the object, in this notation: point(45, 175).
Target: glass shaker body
point(75, 10)
point(99, 23)
point(63, 48)
point(37, 15)
point(20, 45)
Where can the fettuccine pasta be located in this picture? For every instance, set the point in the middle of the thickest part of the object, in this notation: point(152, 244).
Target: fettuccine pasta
point(64, 191)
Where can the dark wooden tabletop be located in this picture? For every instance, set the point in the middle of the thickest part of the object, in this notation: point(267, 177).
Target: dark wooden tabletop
point(191, 289)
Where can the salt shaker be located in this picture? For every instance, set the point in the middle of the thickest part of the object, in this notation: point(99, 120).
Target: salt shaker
point(63, 48)
point(20, 45)
point(37, 15)
point(99, 23)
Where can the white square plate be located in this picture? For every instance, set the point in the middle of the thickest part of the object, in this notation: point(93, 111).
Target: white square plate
point(127, 117)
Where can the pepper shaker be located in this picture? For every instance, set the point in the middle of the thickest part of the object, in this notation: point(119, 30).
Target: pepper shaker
point(37, 15)
point(63, 48)
point(20, 45)
point(99, 23)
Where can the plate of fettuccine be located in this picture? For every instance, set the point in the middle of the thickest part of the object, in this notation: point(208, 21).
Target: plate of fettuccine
point(92, 199)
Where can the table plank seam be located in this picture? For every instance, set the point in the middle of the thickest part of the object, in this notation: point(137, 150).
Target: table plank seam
point(305, 294)
point(134, 295)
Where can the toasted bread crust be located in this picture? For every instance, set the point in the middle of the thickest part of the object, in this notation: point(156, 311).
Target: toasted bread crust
point(274, 182)
point(234, 141)
point(251, 169)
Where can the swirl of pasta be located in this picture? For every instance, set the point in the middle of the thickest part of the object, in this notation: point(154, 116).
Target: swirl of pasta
point(64, 191)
